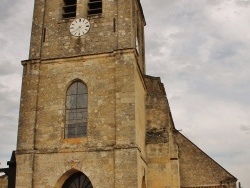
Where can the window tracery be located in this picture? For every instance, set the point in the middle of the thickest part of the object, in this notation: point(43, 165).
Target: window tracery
point(76, 110)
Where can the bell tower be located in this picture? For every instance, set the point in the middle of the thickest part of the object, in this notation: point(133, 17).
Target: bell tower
point(82, 109)
point(114, 25)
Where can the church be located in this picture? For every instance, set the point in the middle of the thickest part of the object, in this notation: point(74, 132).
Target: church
point(90, 116)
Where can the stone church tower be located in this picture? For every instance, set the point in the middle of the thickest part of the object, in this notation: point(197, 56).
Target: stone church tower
point(89, 114)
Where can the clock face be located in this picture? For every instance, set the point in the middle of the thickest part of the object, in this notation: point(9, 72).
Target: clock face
point(79, 27)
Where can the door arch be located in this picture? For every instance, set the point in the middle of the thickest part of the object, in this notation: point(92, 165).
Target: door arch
point(78, 180)
point(75, 178)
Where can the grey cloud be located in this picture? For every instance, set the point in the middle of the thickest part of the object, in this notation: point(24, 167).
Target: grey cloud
point(187, 44)
point(5, 8)
point(178, 14)
point(3, 42)
point(7, 68)
point(225, 50)
point(154, 45)
point(6, 134)
point(14, 41)
point(6, 149)
point(214, 2)
point(2, 87)
point(216, 90)
point(196, 83)
point(8, 117)
point(9, 101)
point(7, 92)
point(243, 3)
point(9, 105)
point(245, 128)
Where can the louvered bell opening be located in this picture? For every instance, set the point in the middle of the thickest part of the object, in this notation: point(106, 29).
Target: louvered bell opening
point(69, 9)
point(69, 2)
point(95, 7)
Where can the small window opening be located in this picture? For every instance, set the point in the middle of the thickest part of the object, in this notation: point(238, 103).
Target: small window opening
point(69, 9)
point(44, 34)
point(137, 42)
point(95, 7)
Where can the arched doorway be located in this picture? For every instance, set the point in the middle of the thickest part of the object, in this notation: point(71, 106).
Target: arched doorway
point(77, 180)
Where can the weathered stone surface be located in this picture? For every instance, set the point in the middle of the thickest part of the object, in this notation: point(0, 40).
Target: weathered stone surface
point(3, 181)
point(160, 146)
point(131, 140)
point(115, 124)
point(158, 113)
point(204, 170)
point(117, 28)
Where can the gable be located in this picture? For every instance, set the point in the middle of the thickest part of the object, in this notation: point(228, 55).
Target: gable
point(197, 169)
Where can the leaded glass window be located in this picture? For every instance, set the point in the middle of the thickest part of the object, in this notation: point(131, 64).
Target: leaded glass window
point(78, 180)
point(76, 110)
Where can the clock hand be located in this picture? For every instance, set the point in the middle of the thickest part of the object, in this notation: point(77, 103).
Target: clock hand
point(76, 29)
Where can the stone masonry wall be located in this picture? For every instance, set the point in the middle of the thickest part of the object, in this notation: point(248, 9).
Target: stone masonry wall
point(24, 170)
point(111, 30)
point(198, 170)
point(140, 111)
point(3, 181)
point(28, 106)
point(162, 156)
point(111, 145)
point(92, 164)
point(108, 84)
point(157, 110)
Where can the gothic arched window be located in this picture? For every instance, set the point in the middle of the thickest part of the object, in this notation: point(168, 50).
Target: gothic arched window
point(69, 8)
point(78, 180)
point(76, 110)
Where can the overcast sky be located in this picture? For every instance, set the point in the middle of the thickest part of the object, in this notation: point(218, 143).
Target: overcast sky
point(199, 48)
